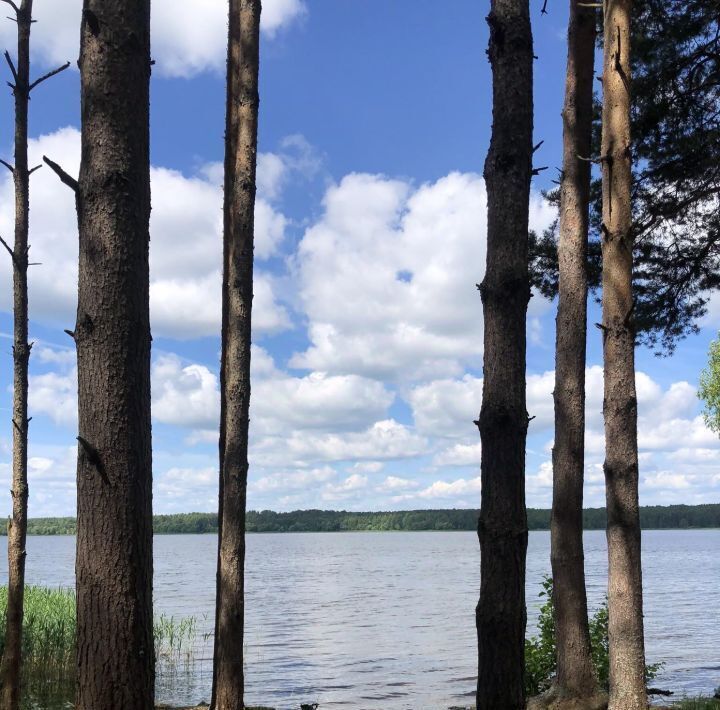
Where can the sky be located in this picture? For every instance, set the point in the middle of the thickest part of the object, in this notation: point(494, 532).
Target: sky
point(370, 238)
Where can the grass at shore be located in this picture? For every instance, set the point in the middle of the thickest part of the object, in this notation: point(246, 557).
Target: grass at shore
point(697, 704)
point(49, 627)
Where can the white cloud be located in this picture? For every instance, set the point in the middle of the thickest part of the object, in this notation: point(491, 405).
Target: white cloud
point(388, 274)
point(186, 396)
point(449, 408)
point(393, 484)
point(459, 455)
point(318, 401)
point(384, 440)
point(55, 356)
point(188, 36)
point(351, 483)
point(286, 481)
point(185, 248)
point(55, 395)
point(451, 489)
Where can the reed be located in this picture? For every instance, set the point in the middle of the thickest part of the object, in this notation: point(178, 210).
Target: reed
point(49, 627)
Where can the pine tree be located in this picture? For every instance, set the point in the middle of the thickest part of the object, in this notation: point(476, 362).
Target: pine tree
point(505, 291)
point(115, 653)
point(575, 675)
point(625, 617)
point(676, 173)
point(17, 525)
point(240, 170)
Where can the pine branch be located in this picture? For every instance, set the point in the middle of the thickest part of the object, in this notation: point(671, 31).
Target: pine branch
point(65, 178)
point(47, 76)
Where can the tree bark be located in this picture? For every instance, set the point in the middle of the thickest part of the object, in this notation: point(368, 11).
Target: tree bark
point(115, 654)
point(239, 207)
point(17, 525)
point(627, 656)
point(575, 674)
point(502, 526)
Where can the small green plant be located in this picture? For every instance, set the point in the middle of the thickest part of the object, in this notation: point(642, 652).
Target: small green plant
point(540, 651)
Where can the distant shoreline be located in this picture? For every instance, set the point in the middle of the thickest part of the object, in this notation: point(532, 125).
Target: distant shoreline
point(672, 517)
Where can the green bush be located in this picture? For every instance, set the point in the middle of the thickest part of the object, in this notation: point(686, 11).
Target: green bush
point(540, 652)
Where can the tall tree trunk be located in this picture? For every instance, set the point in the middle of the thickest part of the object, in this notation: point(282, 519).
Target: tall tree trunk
point(627, 656)
point(239, 207)
point(505, 290)
point(575, 674)
point(115, 654)
point(17, 525)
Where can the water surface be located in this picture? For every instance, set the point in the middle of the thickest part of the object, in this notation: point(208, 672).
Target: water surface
point(386, 620)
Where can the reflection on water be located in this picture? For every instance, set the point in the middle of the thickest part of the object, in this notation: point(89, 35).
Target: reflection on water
point(386, 620)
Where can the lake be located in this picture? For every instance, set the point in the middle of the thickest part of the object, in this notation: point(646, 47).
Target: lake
point(386, 620)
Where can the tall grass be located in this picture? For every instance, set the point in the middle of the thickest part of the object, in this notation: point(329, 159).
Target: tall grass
point(174, 638)
point(48, 643)
point(698, 704)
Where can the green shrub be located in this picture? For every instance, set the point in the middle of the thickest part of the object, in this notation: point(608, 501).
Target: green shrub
point(540, 652)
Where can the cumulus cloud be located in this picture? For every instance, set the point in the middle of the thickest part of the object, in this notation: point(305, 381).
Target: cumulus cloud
point(459, 455)
point(185, 248)
point(451, 489)
point(187, 395)
point(449, 407)
point(188, 36)
point(387, 277)
point(384, 440)
point(55, 395)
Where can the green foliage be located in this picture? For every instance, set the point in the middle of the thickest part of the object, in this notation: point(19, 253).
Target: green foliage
point(652, 517)
point(540, 651)
point(540, 661)
point(48, 643)
point(709, 391)
point(599, 645)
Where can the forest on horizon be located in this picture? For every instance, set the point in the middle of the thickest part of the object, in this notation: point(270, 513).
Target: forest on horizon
point(655, 517)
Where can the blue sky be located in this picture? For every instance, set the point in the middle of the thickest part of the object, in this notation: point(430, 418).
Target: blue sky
point(374, 124)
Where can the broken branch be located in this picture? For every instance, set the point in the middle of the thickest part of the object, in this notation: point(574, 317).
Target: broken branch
point(9, 250)
point(45, 77)
point(9, 60)
point(68, 180)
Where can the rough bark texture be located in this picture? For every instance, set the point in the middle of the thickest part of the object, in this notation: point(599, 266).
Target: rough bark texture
point(575, 674)
point(502, 527)
point(239, 208)
point(115, 655)
point(17, 525)
point(627, 657)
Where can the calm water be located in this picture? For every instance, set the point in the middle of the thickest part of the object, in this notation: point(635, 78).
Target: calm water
point(386, 620)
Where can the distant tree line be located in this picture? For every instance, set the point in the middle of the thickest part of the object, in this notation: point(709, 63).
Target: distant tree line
point(672, 517)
